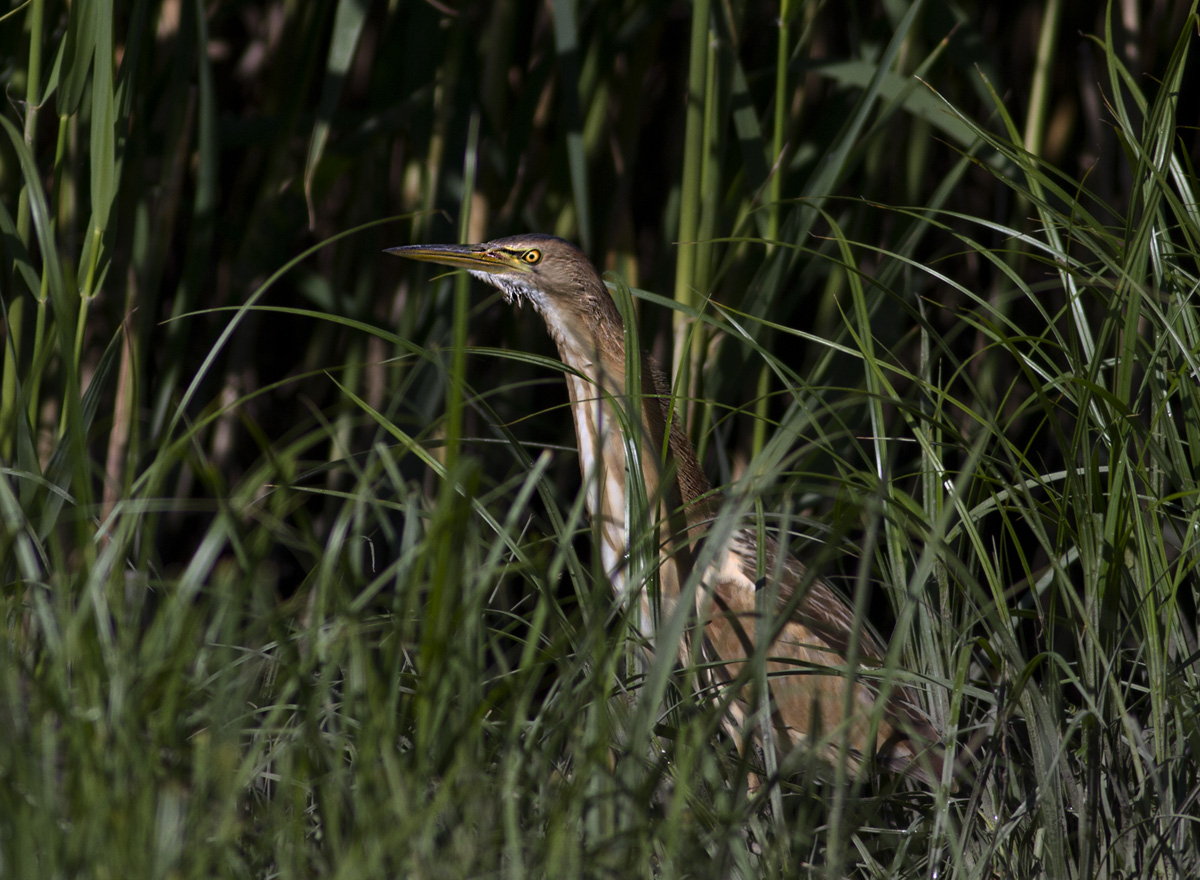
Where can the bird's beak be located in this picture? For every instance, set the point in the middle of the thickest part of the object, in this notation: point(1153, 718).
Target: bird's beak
point(478, 257)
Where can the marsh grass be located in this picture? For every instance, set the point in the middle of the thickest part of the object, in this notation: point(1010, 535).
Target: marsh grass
point(296, 577)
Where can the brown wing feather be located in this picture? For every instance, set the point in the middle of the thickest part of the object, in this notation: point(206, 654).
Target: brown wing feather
point(806, 667)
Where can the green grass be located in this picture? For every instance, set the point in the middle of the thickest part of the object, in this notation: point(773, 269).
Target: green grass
point(295, 574)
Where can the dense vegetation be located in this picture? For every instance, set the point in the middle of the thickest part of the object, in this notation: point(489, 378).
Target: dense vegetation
point(289, 587)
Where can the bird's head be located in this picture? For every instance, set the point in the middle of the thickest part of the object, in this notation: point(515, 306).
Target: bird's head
point(543, 270)
point(551, 274)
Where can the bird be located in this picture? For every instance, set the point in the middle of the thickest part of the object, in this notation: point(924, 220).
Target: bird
point(885, 731)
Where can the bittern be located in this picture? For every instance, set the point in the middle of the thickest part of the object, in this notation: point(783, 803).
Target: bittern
point(889, 730)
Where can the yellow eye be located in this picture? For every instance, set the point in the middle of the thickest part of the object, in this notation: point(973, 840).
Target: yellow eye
point(532, 257)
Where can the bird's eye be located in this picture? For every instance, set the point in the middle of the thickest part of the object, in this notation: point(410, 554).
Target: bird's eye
point(532, 257)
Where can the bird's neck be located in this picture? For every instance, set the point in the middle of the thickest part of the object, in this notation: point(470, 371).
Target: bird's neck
point(594, 350)
point(591, 341)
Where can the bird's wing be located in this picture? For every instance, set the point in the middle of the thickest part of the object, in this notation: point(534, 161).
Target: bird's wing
point(807, 663)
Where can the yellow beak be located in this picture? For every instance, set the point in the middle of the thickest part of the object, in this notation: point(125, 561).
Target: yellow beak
point(478, 257)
